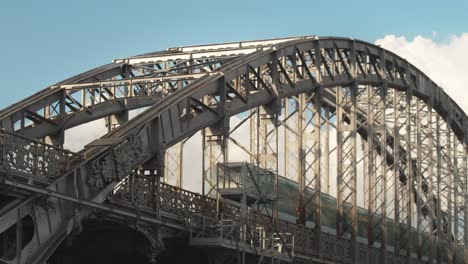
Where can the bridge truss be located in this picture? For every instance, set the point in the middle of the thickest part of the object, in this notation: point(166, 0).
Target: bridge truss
point(338, 116)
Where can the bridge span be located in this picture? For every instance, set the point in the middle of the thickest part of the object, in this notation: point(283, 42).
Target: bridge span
point(294, 150)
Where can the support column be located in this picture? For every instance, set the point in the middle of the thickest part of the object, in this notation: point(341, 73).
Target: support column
point(59, 138)
point(346, 167)
point(451, 200)
point(215, 145)
point(409, 174)
point(214, 152)
point(309, 149)
point(401, 170)
point(464, 177)
point(430, 201)
point(114, 121)
point(371, 171)
point(418, 173)
point(377, 167)
point(438, 204)
point(152, 174)
point(173, 166)
point(382, 136)
point(291, 138)
point(267, 146)
point(445, 194)
point(459, 200)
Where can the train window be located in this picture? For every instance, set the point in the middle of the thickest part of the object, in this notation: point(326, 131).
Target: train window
point(8, 242)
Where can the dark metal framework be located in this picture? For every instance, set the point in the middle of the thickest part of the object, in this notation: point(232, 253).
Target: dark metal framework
point(358, 123)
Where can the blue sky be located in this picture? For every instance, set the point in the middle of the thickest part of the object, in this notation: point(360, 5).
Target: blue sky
point(43, 42)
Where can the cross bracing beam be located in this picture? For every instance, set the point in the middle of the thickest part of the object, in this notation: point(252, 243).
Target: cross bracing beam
point(341, 63)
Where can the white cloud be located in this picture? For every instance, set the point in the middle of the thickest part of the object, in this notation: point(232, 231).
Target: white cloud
point(445, 63)
point(76, 138)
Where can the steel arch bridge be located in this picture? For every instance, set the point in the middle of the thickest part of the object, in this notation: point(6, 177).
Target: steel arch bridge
point(348, 154)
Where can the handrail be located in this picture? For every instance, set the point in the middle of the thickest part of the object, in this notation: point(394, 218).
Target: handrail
point(32, 158)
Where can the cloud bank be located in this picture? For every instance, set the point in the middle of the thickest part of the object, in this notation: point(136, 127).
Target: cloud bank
point(445, 63)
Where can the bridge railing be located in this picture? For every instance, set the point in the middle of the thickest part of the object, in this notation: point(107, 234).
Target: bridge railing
point(200, 213)
point(256, 231)
point(254, 234)
point(178, 200)
point(137, 190)
point(22, 156)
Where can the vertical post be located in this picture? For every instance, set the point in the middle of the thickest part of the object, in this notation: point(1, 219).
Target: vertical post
point(214, 152)
point(286, 137)
point(409, 175)
point(180, 178)
point(419, 176)
point(450, 185)
point(174, 165)
point(439, 179)
point(396, 171)
point(83, 99)
point(277, 198)
point(292, 138)
point(59, 138)
point(153, 175)
point(377, 167)
point(403, 173)
point(204, 154)
point(215, 144)
point(253, 135)
point(346, 167)
point(267, 145)
point(371, 176)
point(456, 199)
point(158, 191)
point(383, 169)
point(326, 152)
point(465, 200)
point(62, 103)
point(381, 106)
point(114, 121)
point(309, 150)
point(317, 156)
point(301, 154)
point(424, 178)
point(430, 171)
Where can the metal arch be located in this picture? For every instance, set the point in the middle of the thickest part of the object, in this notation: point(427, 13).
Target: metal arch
point(185, 112)
point(442, 103)
point(157, 74)
point(220, 84)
